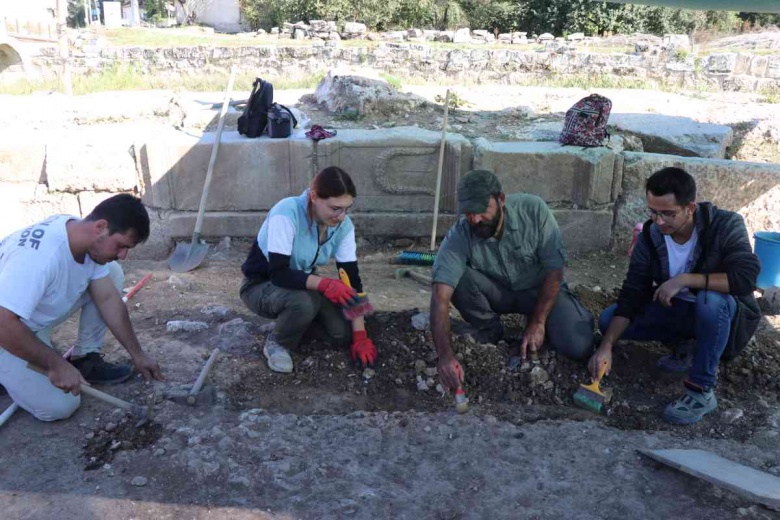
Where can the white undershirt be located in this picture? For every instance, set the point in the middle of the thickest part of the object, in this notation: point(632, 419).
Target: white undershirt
point(281, 234)
point(681, 260)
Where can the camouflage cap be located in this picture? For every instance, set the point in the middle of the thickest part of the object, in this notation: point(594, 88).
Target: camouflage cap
point(475, 189)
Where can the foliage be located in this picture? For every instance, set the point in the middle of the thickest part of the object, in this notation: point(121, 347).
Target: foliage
point(76, 13)
point(155, 10)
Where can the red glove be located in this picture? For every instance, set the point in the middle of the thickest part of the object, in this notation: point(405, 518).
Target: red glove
point(336, 291)
point(363, 349)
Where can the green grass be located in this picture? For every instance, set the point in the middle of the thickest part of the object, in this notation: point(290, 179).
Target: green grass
point(391, 80)
point(770, 95)
point(126, 77)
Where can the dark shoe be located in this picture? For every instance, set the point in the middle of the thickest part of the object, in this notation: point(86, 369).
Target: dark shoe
point(96, 371)
point(681, 360)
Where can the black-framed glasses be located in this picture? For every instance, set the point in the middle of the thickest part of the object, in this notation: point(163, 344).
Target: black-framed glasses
point(666, 215)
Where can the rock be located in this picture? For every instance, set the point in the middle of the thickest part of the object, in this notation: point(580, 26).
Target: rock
point(431, 371)
point(421, 384)
point(274, 30)
point(215, 310)
point(773, 421)
point(90, 436)
point(159, 452)
point(233, 326)
point(444, 37)
point(354, 28)
point(421, 321)
point(573, 37)
point(110, 427)
point(239, 481)
point(419, 366)
point(415, 33)
point(546, 37)
point(362, 92)
point(539, 376)
point(186, 326)
point(178, 281)
point(676, 41)
point(674, 135)
point(462, 36)
point(732, 415)
point(368, 373)
point(139, 481)
point(770, 300)
point(299, 34)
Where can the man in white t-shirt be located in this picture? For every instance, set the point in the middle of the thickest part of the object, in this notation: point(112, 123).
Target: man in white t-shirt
point(48, 272)
point(692, 276)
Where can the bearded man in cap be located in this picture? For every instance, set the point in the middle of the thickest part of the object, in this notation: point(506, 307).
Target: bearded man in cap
point(504, 255)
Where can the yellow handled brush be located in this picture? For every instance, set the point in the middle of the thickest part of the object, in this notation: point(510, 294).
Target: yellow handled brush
point(361, 306)
point(590, 397)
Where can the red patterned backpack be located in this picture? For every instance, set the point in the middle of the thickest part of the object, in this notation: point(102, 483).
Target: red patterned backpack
point(586, 122)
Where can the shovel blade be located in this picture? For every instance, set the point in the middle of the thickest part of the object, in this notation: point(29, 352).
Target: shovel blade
point(187, 257)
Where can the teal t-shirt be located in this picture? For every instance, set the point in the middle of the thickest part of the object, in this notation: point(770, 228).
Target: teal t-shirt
point(530, 245)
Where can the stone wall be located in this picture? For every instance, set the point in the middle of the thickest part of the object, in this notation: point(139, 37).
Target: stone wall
point(597, 195)
point(730, 71)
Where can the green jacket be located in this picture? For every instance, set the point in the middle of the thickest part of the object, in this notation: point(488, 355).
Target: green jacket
point(530, 245)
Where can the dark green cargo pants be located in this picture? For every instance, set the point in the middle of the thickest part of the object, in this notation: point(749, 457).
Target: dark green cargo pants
point(298, 313)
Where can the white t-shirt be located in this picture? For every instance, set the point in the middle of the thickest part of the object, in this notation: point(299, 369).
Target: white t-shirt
point(681, 260)
point(40, 280)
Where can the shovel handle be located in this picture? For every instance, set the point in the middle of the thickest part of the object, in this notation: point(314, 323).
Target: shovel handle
point(193, 395)
point(212, 161)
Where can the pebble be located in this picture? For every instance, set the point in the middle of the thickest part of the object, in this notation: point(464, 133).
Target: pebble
point(427, 429)
point(89, 436)
point(732, 415)
point(110, 427)
point(368, 373)
point(539, 376)
point(431, 371)
point(419, 366)
point(491, 420)
point(596, 288)
point(232, 326)
point(215, 310)
point(239, 481)
point(159, 452)
point(421, 385)
point(139, 481)
point(421, 321)
point(185, 326)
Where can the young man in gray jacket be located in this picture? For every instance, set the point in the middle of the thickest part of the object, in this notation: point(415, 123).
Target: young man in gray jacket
point(692, 275)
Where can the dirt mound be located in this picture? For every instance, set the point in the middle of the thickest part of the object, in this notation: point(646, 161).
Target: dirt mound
point(326, 382)
point(105, 441)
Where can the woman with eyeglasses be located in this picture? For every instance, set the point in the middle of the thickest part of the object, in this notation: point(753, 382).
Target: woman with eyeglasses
point(281, 282)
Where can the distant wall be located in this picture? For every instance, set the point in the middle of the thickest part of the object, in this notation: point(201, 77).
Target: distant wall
point(501, 64)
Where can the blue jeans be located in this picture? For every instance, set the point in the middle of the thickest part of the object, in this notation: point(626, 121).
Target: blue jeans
point(708, 320)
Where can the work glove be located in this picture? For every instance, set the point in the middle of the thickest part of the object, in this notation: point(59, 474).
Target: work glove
point(363, 350)
point(337, 292)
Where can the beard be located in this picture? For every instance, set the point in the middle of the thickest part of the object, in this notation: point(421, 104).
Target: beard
point(487, 229)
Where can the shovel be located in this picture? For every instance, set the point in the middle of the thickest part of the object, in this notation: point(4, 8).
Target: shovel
point(187, 257)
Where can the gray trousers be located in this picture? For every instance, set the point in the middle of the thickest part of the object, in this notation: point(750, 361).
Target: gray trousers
point(297, 313)
point(482, 300)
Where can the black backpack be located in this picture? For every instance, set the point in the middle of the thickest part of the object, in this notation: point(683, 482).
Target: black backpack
point(253, 121)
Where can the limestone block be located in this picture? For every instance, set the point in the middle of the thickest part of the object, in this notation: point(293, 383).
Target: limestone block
point(395, 169)
point(585, 231)
point(675, 135)
point(773, 66)
point(354, 27)
point(721, 63)
point(554, 172)
point(22, 158)
point(758, 66)
point(249, 175)
point(26, 203)
point(362, 91)
point(89, 199)
point(582, 230)
point(677, 41)
point(92, 159)
point(462, 36)
point(751, 189)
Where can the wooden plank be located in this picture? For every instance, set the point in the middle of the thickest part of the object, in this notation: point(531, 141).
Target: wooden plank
point(756, 485)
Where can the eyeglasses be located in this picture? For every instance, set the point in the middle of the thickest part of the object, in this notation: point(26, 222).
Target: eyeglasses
point(336, 210)
point(667, 215)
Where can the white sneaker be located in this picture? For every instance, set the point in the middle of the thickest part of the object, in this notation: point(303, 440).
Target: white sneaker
point(279, 359)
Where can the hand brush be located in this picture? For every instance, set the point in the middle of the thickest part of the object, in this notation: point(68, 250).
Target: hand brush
point(414, 258)
point(361, 306)
point(590, 397)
